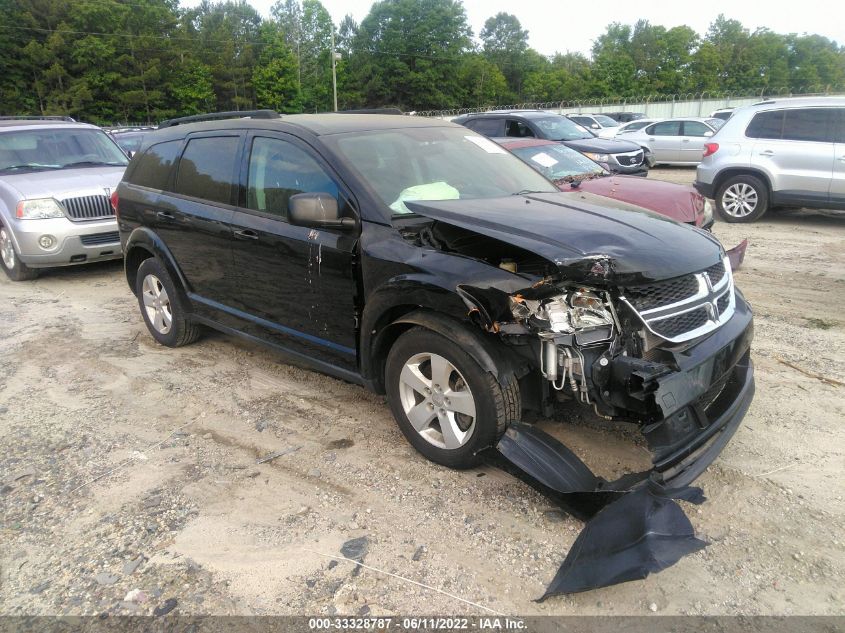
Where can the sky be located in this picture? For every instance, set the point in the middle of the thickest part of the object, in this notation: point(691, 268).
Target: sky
point(556, 26)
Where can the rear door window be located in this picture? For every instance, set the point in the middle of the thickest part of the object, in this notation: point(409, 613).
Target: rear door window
point(696, 128)
point(487, 126)
point(153, 168)
point(207, 168)
point(665, 128)
point(838, 124)
point(808, 124)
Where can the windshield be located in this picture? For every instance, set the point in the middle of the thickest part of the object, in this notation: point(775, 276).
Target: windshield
point(57, 148)
point(716, 123)
point(561, 128)
point(129, 142)
point(605, 121)
point(558, 162)
point(435, 163)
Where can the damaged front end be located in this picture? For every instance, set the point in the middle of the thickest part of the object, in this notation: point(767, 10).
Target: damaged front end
point(672, 357)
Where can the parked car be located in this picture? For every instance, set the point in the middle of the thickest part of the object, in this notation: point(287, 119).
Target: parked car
point(779, 152)
point(722, 113)
point(422, 260)
point(625, 117)
point(625, 128)
point(676, 141)
point(129, 139)
point(621, 157)
point(56, 179)
point(596, 123)
point(574, 173)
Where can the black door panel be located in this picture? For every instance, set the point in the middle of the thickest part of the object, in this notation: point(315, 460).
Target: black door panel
point(296, 283)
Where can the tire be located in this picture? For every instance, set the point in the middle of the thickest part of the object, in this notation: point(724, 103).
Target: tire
point(12, 265)
point(159, 302)
point(496, 404)
point(742, 198)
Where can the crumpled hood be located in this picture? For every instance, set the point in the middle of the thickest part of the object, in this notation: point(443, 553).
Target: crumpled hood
point(679, 202)
point(590, 238)
point(64, 183)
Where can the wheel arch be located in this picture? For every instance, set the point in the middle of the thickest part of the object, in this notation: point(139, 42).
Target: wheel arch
point(143, 244)
point(478, 345)
point(730, 172)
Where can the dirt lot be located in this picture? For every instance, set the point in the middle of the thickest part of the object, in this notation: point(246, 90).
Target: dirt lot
point(180, 509)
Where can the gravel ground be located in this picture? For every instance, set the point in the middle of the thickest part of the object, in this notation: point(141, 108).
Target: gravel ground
point(129, 480)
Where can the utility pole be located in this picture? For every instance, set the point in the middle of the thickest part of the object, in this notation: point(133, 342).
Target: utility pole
point(335, 57)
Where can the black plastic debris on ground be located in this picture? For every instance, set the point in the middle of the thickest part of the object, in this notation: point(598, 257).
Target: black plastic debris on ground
point(633, 527)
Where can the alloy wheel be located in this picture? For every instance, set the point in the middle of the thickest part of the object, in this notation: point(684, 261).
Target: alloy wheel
point(437, 400)
point(7, 249)
point(740, 200)
point(157, 304)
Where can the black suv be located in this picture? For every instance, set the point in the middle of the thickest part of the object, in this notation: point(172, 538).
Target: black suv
point(623, 157)
point(421, 260)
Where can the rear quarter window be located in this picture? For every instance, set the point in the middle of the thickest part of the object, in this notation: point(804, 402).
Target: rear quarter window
point(153, 168)
point(766, 125)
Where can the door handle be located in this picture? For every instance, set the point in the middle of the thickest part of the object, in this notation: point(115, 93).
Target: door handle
point(246, 234)
point(684, 140)
point(164, 215)
point(767, 152)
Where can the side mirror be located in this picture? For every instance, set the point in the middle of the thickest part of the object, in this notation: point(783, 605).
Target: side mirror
point(595, 126)
point(318, 210)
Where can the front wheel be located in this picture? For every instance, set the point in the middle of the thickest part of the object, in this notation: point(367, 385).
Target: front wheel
point(12, 265)
point(742, 199)
point(446, 405)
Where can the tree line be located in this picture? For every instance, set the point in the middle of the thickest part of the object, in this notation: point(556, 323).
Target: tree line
point(144, 60)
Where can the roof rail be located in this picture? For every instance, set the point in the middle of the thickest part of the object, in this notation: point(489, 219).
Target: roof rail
point(217, 116)
point(372, 111)
point(38, 118)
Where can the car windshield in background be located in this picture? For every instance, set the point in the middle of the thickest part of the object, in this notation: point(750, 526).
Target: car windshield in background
point(558, 162)
point(129, 142)
point(560, 128)
point(404, 165)
point(62, 148)
point(605, 121)
point(716, 123)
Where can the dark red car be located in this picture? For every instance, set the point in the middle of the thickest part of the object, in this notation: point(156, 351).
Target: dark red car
point(572, 171)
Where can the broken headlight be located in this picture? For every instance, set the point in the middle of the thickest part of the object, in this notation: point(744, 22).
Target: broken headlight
point(580, 312)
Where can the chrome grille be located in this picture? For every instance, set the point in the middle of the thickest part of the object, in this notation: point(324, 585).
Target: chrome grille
point(651, 296)
point(629, 159)
point(716, 272)
point(88, 207)
point(687, 307)
point(678, 325)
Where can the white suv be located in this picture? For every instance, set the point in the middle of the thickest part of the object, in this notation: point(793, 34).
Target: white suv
point(783, 152)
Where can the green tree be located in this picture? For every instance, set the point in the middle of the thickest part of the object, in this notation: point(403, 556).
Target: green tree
point(275, 75)
point(406, 52)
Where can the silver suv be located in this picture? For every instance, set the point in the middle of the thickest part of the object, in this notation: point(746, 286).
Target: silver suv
point(56, 182)
point(783, 152)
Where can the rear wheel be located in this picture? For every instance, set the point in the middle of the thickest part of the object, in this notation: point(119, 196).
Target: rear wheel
point(12, 265)
point(742, 198)
point(162, 309)
point(446, 405)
